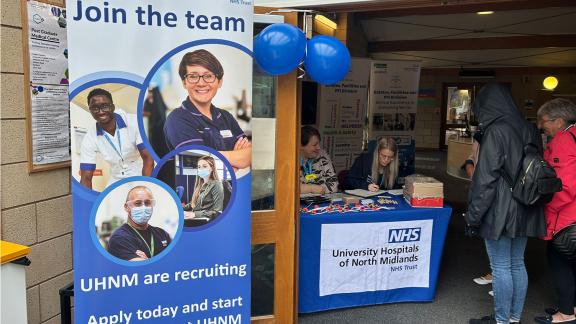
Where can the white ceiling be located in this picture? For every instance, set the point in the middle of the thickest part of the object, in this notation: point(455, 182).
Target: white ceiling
point(547, 21)
point(514, 23)
point(305, 3)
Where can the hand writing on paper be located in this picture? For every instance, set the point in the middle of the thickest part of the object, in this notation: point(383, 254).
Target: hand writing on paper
point(372, 187)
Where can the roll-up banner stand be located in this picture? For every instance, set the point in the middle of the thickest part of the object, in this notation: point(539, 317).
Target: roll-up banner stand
point(160, 160)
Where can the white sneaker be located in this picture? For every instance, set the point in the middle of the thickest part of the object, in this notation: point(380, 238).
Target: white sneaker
point(482, 281)
point(491, 293)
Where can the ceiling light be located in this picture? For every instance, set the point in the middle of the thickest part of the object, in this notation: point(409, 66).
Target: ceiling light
point(326, 21)
point(485, 12)
point(550, 83)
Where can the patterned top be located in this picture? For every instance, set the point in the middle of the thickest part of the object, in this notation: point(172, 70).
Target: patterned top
point(322, 170)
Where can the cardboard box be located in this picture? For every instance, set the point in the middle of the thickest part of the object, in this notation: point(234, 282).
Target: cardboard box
point(429, 202)
point(423, 191)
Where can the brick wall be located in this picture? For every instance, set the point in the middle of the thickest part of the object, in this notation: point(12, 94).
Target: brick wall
point(36, 208)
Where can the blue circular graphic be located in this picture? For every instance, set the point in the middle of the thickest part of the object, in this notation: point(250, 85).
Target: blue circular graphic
point(161, 61)
point(226, 164)
point(103, 196)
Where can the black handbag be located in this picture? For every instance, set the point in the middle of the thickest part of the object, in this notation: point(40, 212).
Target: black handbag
point(564, 241)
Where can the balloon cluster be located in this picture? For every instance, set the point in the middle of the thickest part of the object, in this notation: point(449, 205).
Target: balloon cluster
point(280, 48)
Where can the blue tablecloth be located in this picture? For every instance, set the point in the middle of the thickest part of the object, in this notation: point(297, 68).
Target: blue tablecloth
point(310, 250)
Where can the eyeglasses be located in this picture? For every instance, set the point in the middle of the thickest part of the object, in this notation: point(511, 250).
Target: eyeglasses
point(102, 107)
point(543, 121)
point(195, 78)
point(140, 203)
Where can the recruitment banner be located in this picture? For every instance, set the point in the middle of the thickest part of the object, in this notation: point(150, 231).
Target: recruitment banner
point(342, 114)
point(393, 103)
point(161, 156)
point(365, 257)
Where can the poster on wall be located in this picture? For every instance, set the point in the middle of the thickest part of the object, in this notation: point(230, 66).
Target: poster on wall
point(46, 67)
point(393, 97)
point(161, 157)
point(393, 105)
point(342, 145)
point(342, 114)
point(50, 124)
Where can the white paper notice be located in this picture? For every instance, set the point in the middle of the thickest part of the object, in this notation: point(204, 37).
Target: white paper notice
point(50, 124)
point(393, 97)
point(47, 44)
point(374, 256)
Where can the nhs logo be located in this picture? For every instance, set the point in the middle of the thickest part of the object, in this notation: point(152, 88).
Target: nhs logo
point(400, 235)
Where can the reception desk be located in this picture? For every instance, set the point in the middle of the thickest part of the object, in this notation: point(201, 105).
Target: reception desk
point(354, 258)
point(459, 149)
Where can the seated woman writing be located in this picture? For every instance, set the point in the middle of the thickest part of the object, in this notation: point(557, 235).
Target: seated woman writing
point(375, 171)
point(316, 169)
point(208, 197)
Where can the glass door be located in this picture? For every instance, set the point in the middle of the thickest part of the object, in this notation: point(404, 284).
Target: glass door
point(275, 129)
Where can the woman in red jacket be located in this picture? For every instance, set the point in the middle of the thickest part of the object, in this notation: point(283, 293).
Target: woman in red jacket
point(556, 118)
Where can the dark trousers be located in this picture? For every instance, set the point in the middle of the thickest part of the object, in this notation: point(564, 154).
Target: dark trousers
point(564, 277)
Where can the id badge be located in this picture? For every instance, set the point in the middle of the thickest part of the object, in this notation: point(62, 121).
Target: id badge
point(124, 169)
point(226, 133)
point(311, 177)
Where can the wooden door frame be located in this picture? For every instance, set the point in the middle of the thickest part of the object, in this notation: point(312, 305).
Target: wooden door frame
point(278, 226)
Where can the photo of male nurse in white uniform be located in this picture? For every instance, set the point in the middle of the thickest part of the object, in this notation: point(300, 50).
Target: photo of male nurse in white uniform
point(116, 138)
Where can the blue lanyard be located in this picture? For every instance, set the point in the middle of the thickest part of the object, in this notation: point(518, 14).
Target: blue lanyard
point(308, 170)
point(119, 152)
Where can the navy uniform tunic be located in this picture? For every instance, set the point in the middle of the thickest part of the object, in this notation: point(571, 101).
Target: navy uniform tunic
point(124, 242)
point(187, 126)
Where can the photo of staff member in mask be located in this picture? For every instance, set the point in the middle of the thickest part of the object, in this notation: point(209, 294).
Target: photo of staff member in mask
point(116, 138)
point(197, 121)
point(202, 180)
point(208, 197)
point(137, 240)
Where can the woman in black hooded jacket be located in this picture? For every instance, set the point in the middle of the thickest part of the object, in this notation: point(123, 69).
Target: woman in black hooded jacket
point(493, 214)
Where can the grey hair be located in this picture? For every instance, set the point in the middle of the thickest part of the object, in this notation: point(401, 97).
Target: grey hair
point(559, 108)
point(390, 172)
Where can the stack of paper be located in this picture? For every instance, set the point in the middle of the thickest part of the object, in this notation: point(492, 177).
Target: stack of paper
point(364, 193)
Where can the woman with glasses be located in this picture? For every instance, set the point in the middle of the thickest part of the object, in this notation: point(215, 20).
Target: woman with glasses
point(197, 121)
point(116, 138)
point(375, 171)
point(316, 169)
point(208, 197)
point(557, 119)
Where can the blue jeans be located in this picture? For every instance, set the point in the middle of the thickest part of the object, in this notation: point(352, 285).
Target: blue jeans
point(510, 281)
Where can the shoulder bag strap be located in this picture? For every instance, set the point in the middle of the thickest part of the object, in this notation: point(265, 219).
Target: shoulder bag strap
point(511, 182)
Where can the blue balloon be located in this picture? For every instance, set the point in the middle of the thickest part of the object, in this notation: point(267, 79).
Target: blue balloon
point(327, 60)
point(279, 48)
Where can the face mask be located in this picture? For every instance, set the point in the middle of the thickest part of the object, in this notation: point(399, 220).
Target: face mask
point(203, 173)
point(141, 215)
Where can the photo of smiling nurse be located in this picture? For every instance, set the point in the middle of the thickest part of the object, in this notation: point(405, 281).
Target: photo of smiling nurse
point(106, 141)
point(198, 121)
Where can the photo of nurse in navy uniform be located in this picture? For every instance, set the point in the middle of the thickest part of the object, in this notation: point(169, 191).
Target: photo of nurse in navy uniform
point(197, 121)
